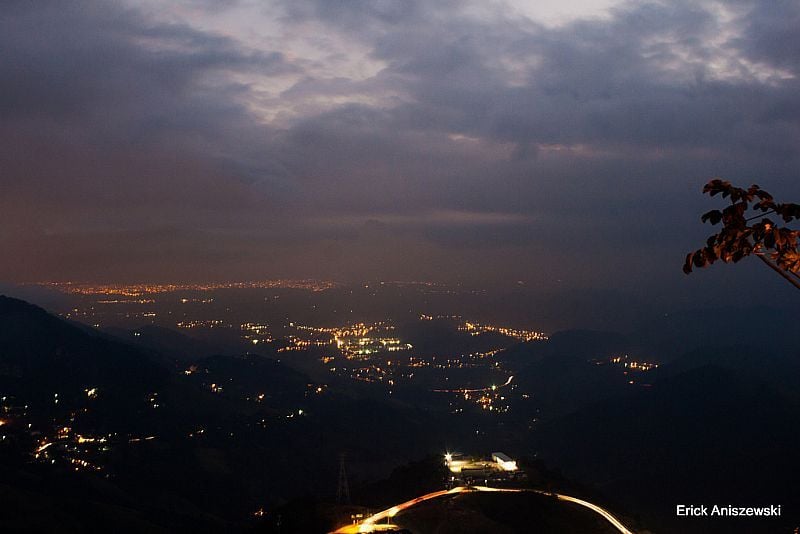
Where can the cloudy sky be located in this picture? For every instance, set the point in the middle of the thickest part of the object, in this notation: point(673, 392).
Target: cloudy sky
point(483, 142)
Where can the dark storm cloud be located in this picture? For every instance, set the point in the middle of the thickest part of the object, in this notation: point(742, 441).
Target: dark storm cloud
point(640, 79)
point(75, 58)
point(483, 142)
point(614, 124)
point(367, 18)
point(771, 32)
point(93, 72)
point(636, 88)
point(602, 83)
point(111, 118)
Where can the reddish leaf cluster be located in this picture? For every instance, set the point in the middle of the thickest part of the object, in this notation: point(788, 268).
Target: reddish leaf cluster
point(738, 239)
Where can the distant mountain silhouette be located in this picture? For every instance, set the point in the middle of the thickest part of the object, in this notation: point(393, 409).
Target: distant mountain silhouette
point(41, 355)
point(779, 369)
point(177, 346)
point(674, 334)
point(560, 373)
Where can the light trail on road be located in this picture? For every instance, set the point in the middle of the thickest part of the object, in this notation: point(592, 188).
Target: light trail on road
point(610, 518)
point(370, 524)
point(593, 507)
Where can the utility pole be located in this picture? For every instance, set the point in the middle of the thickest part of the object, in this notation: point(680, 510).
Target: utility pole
point(343, 491)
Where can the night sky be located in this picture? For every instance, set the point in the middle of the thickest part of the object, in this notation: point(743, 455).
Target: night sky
point(485, 142)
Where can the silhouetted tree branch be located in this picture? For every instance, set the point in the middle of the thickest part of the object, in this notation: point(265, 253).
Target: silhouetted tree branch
point(776, 246)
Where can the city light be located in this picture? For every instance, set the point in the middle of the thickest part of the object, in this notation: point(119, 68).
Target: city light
point(137, 290)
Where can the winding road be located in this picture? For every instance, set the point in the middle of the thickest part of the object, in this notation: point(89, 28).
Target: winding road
point(372, 523)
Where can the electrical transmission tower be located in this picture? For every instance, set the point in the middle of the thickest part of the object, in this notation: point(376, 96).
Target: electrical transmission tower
point(343, 491)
